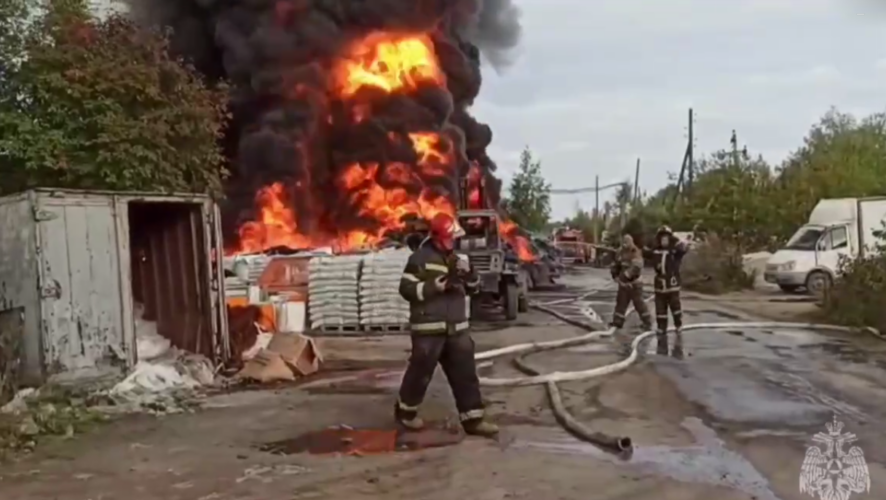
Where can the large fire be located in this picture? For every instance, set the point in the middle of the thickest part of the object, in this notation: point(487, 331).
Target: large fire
point(387, 63)
point(385, 193)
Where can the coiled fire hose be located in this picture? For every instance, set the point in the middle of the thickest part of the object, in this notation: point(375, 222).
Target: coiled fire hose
point(620, 444)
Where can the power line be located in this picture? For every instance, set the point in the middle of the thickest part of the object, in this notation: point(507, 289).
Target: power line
point(586, 189)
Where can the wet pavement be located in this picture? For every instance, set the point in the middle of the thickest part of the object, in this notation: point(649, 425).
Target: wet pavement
point(362, 442)
point(729, 416)
point(783, 382)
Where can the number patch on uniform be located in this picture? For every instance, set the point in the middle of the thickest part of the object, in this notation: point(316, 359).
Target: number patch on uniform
point(673, 281)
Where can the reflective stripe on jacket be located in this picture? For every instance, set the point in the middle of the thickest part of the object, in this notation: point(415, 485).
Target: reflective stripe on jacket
point(432, 311)
point(667, 267)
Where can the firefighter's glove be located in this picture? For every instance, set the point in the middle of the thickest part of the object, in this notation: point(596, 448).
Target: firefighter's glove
point(462, 266)
point(440, 283)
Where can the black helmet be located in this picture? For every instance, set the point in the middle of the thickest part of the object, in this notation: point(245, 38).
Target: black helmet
point(664, 230)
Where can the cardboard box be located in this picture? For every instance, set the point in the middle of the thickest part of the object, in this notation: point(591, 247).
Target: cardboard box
point(297, 351)
point(267, 366)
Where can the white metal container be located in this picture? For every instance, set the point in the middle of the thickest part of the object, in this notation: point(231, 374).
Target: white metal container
point(73, 263)
point(253, 292)
point(291, 317)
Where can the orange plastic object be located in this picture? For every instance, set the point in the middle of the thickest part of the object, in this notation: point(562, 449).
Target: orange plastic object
point(267, 319)
point(237, 301)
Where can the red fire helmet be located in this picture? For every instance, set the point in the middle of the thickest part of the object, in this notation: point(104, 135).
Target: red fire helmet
point(445, 229)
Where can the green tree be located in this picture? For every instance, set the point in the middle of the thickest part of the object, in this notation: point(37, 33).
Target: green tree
point(529, 197)
point(100, 104)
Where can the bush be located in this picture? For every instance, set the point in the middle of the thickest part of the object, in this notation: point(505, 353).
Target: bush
point(858, 297)
point(716, 266)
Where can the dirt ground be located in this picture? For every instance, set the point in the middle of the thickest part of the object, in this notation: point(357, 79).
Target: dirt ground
point(766, 302)
point(690, 443)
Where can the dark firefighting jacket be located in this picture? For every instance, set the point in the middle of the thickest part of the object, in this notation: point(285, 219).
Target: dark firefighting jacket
point(667, 266)
point(432, 311)
point(627, 266)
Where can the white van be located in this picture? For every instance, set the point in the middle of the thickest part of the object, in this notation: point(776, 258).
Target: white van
point(837, 228)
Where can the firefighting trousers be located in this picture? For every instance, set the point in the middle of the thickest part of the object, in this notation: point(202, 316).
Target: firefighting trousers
point(630, 294)
point(455, 353)
point(664, 302)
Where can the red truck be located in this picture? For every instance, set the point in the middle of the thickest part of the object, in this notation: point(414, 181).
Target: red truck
point(572, 243)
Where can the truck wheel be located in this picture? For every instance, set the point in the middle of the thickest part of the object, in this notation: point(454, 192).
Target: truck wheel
point(789, 288)
point(818, 282)
point(511, 300)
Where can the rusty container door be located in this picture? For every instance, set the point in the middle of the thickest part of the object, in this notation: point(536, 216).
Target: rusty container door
point(20, 354)
point(80, 284)
point(216, 274)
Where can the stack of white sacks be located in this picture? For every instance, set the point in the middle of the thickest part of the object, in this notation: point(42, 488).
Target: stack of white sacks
point(380, 300)
point(333, 291)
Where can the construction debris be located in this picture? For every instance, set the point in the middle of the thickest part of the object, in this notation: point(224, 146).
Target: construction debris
point(149, 344)
point(287, 357)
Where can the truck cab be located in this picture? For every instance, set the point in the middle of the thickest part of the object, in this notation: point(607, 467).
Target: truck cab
point(838, 229)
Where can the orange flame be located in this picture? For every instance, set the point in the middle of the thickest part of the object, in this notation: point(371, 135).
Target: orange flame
point(511, 233)
point(389, 63)
point(385, 207)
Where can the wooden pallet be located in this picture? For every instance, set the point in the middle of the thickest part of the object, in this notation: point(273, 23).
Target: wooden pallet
point(338, 329)
point(386, 328)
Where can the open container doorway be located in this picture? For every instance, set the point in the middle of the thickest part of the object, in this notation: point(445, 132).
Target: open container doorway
point(171, 272)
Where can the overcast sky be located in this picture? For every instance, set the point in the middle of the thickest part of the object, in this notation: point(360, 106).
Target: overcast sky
point(599, 83)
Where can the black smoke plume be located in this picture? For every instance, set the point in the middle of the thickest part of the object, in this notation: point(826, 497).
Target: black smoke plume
point(276, 56)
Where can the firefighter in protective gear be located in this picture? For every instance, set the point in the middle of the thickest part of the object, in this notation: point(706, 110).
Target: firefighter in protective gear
point(436, 283)
point(626, 271)
point(668, 254)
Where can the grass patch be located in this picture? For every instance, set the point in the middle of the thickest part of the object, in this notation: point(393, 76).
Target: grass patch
point(50, 413)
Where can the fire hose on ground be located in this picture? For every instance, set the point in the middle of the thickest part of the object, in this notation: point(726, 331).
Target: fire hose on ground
point(619, 444)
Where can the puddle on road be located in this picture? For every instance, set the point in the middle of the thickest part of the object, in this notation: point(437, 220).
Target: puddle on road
point(360, 442)
point(707, 462)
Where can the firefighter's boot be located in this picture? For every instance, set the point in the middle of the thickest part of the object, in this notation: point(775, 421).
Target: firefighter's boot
point(408, 419)
point(480, 427)
point(661, 341)
point(677, 353)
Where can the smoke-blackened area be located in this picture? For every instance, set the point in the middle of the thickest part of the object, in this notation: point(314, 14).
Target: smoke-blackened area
point(349, 116)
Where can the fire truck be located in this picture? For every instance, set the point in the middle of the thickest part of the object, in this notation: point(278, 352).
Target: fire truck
point(571, 243)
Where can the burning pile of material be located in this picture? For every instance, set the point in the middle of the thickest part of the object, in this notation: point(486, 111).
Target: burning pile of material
point(349, 114)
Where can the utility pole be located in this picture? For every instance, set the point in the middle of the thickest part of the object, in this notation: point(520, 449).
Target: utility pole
point(596, 207)
point(734, 141)
point(637, 183)
point(690, 151)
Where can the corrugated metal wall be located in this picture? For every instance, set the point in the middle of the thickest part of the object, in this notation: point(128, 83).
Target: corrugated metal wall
point(170, 272)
